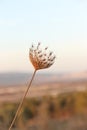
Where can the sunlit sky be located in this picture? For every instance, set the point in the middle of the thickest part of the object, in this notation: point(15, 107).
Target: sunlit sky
point(59, 24)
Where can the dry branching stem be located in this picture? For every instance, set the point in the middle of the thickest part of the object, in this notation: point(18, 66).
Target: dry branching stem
point(40, 60)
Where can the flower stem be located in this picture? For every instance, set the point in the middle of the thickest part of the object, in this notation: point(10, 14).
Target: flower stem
point(22, 101)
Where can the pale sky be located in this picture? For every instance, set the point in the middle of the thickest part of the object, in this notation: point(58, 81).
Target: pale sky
point(59, 24)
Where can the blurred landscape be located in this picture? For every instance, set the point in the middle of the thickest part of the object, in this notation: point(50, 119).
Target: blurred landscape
point(36, 32)
point(54, 101)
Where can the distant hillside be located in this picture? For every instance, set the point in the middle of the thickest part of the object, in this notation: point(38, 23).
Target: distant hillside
point(23, 78)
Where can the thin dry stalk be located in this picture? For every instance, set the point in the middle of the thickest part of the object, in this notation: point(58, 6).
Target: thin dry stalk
point(22, 101)
point(40, 59)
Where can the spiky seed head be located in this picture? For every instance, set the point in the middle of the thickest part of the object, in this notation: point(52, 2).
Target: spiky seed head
point(41, 59)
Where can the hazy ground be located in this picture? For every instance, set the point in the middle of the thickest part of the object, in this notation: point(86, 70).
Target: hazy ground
point(13, 93)
point(52, 104)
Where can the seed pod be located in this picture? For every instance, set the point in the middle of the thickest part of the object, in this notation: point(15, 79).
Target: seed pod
point(46, 48)
point(39, 58)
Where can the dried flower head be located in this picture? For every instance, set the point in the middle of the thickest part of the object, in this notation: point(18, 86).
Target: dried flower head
point(41, 59)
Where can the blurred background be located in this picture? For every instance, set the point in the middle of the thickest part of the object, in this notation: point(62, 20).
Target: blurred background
point(57, 99)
